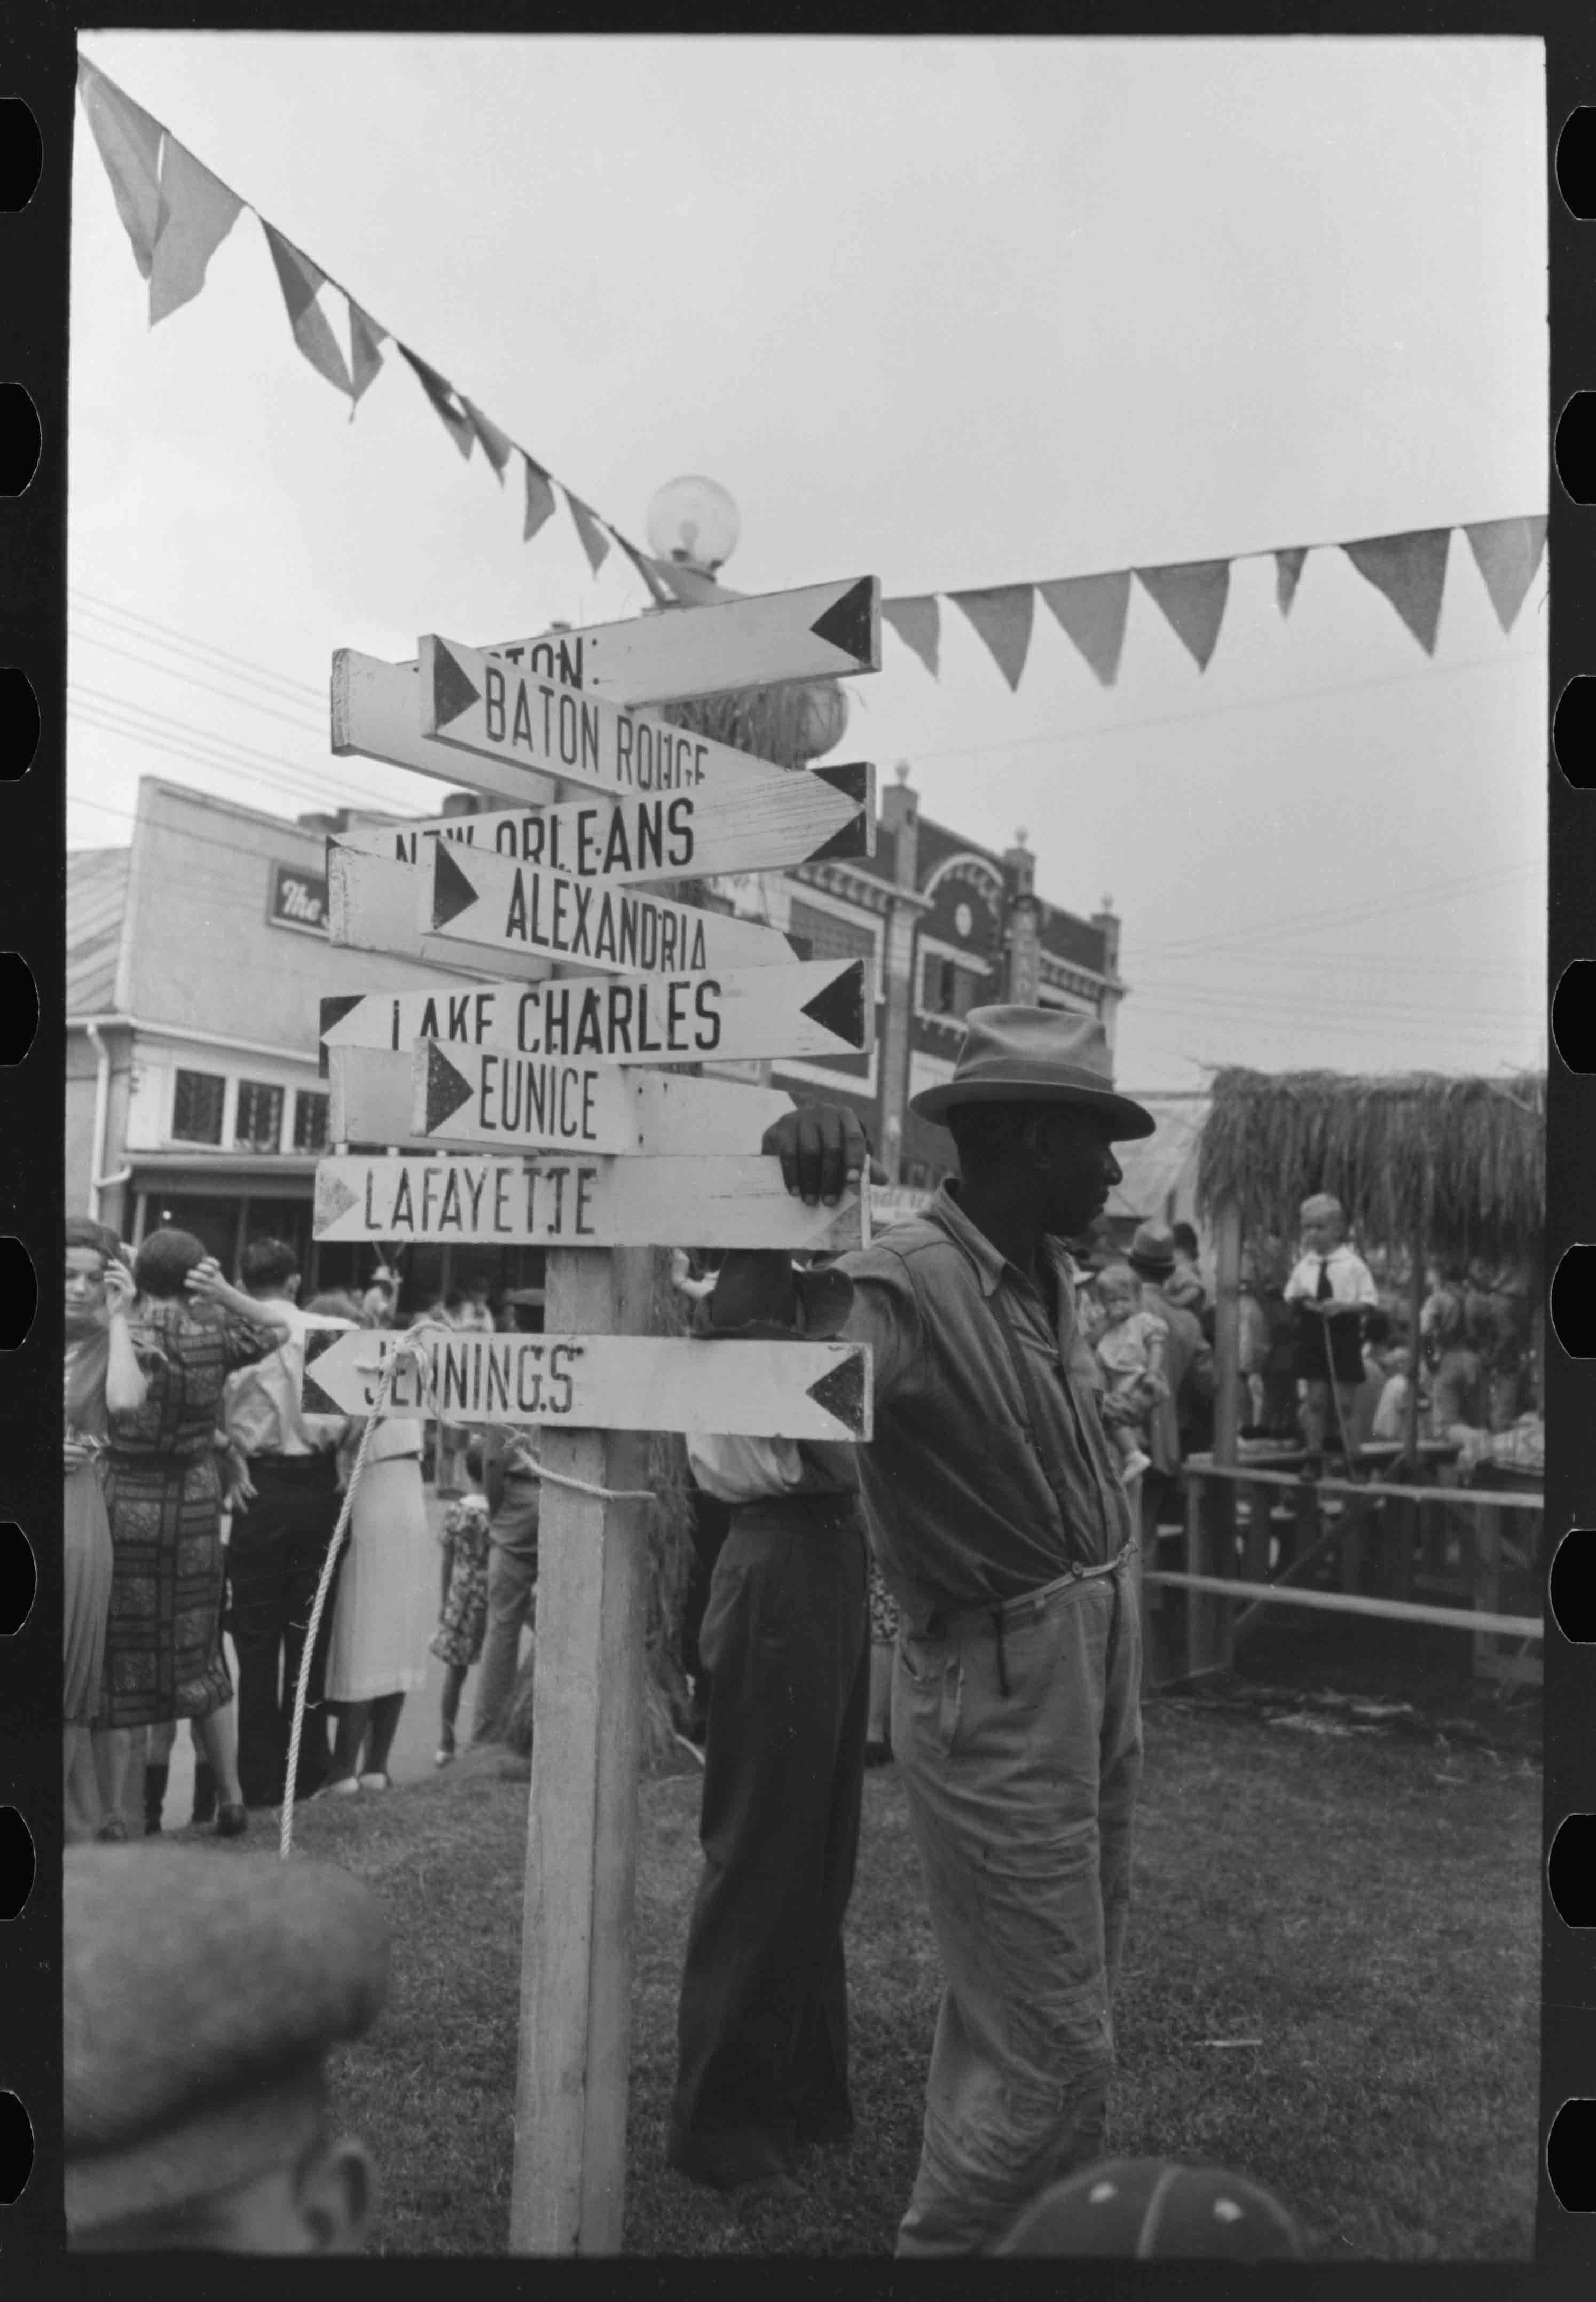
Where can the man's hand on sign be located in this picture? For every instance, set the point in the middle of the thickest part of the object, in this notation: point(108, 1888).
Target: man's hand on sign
point(822, 1149)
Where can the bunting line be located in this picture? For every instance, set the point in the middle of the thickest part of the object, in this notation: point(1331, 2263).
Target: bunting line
point(176, 214)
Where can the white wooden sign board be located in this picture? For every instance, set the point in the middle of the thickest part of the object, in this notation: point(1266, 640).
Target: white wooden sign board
point(476, 1095)
point(468, 895)
point(372, 1095)
point(809, 1007)
point(600, 1382)
point(820, 631)
point(374, 903)
point(376, 710)
point(712, 1200)
point(807, 817)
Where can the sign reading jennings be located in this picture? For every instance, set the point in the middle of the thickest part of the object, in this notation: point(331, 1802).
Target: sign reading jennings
point(599, 1383)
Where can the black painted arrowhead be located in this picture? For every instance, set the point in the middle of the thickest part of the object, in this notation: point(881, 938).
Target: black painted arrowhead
point(840, 1007)
point(447, 1088)
point(453, 689)
point(452, 891)
point(857, 835)
point(313, 1399)
point(333, 1010)
point(840, 1391)
point(851, 622)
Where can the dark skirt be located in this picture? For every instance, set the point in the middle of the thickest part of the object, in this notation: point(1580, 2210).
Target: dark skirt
point(164, 1633)
point(86, 1591)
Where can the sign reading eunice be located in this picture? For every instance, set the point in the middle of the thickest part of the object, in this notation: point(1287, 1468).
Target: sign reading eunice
point(597, 1158)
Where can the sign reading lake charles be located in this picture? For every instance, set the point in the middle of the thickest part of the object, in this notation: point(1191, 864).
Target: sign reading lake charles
point(808, 817)
point(475, 703)
point(598, 1383)
point(578, 1202)
point(468, 895)
point(820, 631)
point(809, 1007)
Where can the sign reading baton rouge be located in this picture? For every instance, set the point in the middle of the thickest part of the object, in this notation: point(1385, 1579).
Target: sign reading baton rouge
point(598, 1383)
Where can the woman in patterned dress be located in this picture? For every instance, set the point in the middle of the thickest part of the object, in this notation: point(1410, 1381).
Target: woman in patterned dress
point(164, 1655)
point(102, 1376)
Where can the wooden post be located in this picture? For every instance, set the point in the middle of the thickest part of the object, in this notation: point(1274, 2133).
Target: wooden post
point(567, 2187)
point(1227, 1330)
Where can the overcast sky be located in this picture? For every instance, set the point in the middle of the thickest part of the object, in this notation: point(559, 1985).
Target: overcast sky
point(950, 313)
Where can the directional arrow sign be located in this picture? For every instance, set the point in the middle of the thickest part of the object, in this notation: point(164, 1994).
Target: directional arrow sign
point(578, 1201)
point(479, 898)
point(809, 1007)
point(825, 630)
point(519, 718)
point(799, 818)
point(475, 1094)
point(374, 903)
point(376, 711)
point(374, 1094)
point(599, 1382)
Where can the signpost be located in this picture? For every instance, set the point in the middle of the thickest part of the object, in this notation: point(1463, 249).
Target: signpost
point(809, 1007)
point(601, 797)
point(551, 1201)
point(469, 897)
point(804, 819)
point(599, 1382)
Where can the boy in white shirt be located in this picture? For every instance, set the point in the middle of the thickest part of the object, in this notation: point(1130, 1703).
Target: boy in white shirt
point(1330, 1289)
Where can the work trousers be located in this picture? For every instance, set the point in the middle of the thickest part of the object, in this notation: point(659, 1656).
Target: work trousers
point(512, 1608)
point(1020, 1756)
point(275, 1554)
point(762, 2026)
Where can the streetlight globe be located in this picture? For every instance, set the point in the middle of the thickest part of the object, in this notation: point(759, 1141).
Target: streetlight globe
point(693, 521)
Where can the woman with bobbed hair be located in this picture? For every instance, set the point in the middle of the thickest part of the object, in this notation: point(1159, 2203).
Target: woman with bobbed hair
point(164, 1658)
point(102, 1376)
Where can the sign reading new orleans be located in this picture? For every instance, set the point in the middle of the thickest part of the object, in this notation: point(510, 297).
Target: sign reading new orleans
point(803, 817)
point(576, 1201)
point(598, 1383)
point(809, 1007)
point(468, 895)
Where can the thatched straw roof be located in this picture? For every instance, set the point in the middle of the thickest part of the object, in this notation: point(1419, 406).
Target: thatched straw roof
point(1462, 1159)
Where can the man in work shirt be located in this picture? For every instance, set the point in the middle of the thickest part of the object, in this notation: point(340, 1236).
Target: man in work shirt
point(1002, 1530)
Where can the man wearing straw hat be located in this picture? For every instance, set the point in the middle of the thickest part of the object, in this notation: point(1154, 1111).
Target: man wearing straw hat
point(1001, 1529)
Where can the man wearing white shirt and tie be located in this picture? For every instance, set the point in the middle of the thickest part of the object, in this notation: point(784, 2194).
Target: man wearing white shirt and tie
point(1330, 1289)
point(284, 1515)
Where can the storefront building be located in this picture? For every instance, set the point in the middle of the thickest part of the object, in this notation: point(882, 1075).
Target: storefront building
point(197, 958)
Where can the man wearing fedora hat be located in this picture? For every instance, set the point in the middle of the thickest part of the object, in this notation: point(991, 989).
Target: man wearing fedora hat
point(1001, 1529)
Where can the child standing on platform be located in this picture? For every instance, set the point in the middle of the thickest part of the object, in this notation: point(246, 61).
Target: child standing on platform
point(1129, 1344)
point(463, 1620)
point(1330, 1290)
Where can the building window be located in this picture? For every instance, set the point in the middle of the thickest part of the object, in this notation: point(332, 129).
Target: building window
point(829, 937)
point(258, 1126)
point(197, 1106)
point(310, 1121)
point(946, 988)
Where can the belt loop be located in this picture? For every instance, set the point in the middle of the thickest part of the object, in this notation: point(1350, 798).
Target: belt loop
point(1002, 1661)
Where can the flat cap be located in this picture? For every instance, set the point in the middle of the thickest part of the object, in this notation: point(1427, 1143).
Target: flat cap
point(201, 1993)
point(1151, 2207)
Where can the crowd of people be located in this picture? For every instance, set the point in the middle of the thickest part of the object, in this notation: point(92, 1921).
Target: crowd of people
point(959, 1596)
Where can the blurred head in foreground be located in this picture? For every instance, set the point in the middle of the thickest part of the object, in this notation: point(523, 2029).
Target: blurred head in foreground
point(1149, 2208)
point(200, 1996)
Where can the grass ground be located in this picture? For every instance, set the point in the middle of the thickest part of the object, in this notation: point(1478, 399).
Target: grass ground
point(1358, 1896)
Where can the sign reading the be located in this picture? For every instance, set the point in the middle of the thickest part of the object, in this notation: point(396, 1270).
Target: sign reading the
point(805, 817)
point(468, 895)
point(577, 1201)
point(296, 899)
point(809, 1007)
point(599, 1382)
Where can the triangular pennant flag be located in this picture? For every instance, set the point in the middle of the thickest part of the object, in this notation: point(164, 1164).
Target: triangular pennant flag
point(199, 212)
point(647, 569)
point(917, 623)
point(299, 280)
point(1192, 595)
point(1506, 553)
point(496, 448)
point(693, 586)
point(1091, 610)
point(442, 393)
point(1003, 617)
point(1411, 570)
point(130, 144)
point(594, 541)
point(1288, 574)
point(365, 356)
point(539, 498)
